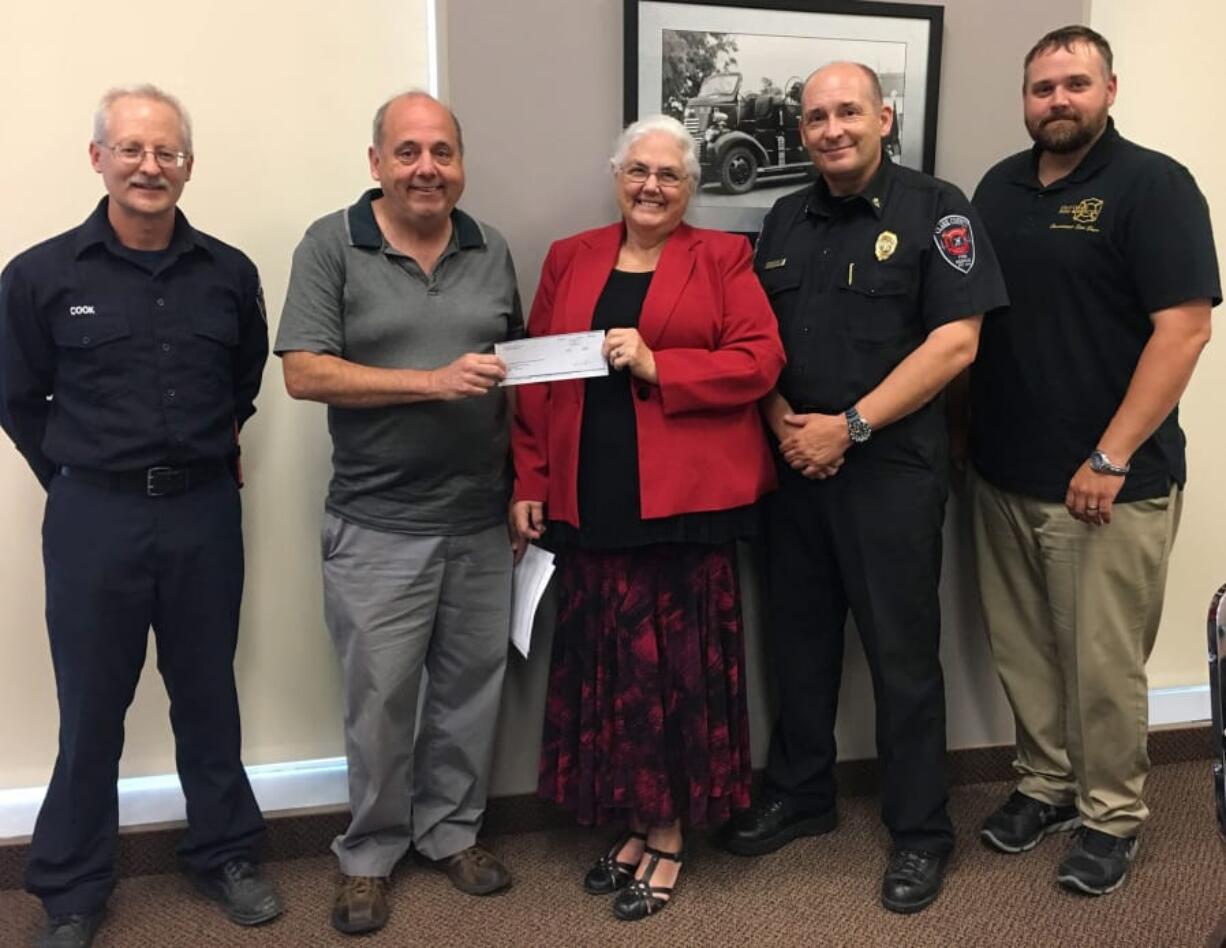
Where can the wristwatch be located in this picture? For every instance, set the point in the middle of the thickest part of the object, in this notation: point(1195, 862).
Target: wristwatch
point(858, 429)
point(1101, 464)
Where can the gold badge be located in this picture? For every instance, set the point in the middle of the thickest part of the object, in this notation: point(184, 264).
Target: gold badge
point(1087, 210)
point(775, 264)
point(887, 243)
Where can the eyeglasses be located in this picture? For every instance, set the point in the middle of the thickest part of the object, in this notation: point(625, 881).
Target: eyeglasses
point(130, 153)
point(665, 177)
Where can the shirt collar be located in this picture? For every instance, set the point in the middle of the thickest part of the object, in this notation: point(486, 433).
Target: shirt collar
point(97, 229)
point(466, 233)
point(873, 195)
point(1094, 160)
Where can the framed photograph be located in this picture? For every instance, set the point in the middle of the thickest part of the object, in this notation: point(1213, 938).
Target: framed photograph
point(732, 72)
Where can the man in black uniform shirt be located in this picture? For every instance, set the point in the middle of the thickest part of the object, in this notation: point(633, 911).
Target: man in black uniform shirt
point(131, 350)
point(1108, 255)
point(878, 275)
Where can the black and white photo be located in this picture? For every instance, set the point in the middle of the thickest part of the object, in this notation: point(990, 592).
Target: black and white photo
point(732, 74)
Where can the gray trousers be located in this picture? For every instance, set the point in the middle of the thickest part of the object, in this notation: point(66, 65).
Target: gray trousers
point(394, 604)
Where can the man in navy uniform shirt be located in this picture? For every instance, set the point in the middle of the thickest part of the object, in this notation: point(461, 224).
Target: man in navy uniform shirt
point(1108, 255)
point(878, 275)
point(131, 350)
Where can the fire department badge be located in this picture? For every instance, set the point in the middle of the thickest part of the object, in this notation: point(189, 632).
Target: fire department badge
point(887, 243)
point(955, 241)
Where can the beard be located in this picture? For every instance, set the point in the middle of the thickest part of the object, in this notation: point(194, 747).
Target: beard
point(1067, 132)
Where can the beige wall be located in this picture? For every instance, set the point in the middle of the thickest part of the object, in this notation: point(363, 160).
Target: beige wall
point(1168, 59)
point(281, 94)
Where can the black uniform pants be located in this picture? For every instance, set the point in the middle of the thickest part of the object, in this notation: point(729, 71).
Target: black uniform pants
point(117, 563)
point(868, 538)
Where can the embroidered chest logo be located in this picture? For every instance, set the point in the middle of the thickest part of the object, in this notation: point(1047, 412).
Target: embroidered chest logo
point(887, 243)
point(81, 311)
point(956, 241)
point(1080, 216)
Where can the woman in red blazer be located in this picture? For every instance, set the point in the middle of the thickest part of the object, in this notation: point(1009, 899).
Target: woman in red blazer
point(642, 481)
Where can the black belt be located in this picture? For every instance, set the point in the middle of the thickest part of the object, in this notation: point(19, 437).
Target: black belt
point(159, 481)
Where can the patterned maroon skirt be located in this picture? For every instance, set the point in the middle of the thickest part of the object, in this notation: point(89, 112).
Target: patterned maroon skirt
point(646, 716)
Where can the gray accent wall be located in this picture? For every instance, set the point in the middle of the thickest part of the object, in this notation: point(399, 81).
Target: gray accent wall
point(538, 86)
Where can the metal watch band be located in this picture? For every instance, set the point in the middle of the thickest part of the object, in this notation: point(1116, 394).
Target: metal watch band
point(1101, 464)
point(858, 429)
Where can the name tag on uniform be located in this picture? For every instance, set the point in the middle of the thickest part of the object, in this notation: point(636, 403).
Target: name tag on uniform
point(774, 264)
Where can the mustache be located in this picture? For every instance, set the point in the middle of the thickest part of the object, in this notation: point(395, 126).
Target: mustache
point(1057, 115)
point(142, 181)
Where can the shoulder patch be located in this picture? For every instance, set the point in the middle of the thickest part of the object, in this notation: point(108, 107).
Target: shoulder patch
point(955, 241)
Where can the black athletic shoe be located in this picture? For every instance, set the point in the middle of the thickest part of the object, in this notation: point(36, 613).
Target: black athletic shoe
point(70, 931)
point(1096, 863)
point(1022, 821)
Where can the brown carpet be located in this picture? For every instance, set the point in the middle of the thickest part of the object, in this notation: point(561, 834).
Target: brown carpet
point(813, 892)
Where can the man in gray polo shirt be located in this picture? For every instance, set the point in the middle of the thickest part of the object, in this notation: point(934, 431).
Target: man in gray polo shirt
point(393, 308)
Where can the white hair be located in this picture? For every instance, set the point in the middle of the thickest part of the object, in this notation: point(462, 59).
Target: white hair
point(650, 125)
point(143, 91)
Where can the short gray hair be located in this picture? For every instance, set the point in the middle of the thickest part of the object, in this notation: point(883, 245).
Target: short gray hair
point(376, 131)
point(649, 125)
point(144, 91)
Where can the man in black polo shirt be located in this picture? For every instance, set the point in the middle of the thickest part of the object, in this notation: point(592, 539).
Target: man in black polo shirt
point(878, 275)
point(1108, 255)
point(131, 350)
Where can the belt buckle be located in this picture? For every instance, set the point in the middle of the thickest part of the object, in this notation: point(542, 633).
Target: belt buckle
point(161, 481)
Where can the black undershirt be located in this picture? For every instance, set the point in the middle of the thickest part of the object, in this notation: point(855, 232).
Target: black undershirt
point(610, 516)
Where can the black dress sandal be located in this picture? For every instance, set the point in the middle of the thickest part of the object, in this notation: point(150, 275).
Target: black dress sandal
point(640, 898)
point(608, 875)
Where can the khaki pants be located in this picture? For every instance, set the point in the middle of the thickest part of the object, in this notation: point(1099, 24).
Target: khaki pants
point(1072, 612)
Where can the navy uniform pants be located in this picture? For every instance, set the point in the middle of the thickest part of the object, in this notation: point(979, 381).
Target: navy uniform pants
point(118, 563)
point(868, 539)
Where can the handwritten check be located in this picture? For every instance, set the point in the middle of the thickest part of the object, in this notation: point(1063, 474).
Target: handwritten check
point(571, 355)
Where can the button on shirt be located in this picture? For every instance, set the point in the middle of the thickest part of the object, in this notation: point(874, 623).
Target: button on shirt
point(857, 283)
point(116, 360)
point(1088, 259)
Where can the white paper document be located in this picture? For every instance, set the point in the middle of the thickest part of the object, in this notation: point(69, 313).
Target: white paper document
point(528, 581)
point(571, 355)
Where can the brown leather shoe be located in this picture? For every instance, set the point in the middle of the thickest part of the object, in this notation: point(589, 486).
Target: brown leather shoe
point(475, 871)
point(361, 905)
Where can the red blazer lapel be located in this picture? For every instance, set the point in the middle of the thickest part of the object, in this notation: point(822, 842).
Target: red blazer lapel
point(590, 266)
point(672, 273)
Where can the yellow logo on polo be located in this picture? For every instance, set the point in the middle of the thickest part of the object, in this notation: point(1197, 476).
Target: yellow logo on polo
point(1087, 210)
point(887, 243)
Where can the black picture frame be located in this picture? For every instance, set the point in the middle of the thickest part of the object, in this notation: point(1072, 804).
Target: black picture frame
point(700, 59)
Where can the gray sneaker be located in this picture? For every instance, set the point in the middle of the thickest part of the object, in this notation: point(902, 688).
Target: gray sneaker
point(1022, 821)
point(1096, 863)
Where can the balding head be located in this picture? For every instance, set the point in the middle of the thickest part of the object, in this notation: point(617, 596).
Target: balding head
point(381, 114)
point(850, 69)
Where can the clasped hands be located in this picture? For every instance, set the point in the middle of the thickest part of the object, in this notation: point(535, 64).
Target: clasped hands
point(814, 444)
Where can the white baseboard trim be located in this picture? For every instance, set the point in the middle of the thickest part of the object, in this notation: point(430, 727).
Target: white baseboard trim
point(306, 784)
point(1185, 705)
point(293, 785)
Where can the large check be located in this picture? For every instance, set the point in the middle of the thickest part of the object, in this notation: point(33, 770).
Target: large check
point(572, 355)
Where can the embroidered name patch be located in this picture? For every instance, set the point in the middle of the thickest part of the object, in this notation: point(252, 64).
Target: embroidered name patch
point(955, 241)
